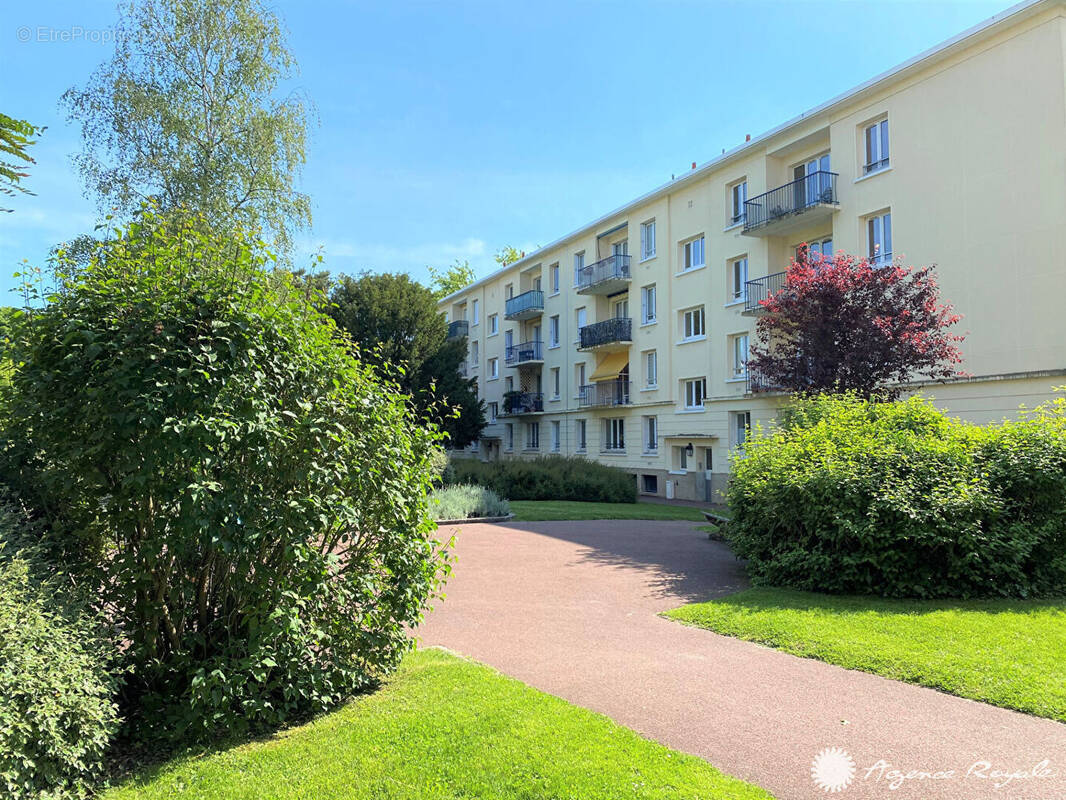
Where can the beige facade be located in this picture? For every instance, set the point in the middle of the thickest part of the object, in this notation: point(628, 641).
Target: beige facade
point(956, 158)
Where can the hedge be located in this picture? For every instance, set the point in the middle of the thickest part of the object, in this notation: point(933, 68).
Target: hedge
point(548, 478)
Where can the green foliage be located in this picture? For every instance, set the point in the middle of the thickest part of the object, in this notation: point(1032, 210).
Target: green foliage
point(464, 501)
point(446, 281)
point(187, 112)
point(861, 497)
point(246, 499)
point(396, 325)
point(57, 712)
point(560, 510)
point(549, 478)
point(507, 255)
point(16, 137)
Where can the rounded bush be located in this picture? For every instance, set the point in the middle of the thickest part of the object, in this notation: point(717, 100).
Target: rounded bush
point(465, 501)
point(896, 499)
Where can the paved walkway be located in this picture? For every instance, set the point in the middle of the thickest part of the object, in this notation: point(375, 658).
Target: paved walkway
point(571, 608)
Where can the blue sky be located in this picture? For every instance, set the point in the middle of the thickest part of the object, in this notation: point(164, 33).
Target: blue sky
point(447, 130)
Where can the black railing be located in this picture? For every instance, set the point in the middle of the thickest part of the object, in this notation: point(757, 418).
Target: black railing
point(760, 383)
point(527, 351)
point(523, 402)
point(818, 188)
point(761, 288)
point(532, 300)
point(618, 329)
point(612, 268)
point(458, 329)
point(604, 393)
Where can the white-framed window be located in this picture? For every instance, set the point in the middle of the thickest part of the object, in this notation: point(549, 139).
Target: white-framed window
point(739, 354)
point(555, 383)
point(738, 195)
point(692, 255)
point(651, 434)
point(580, 434)
point(510, 436)
point(581, 320)
point(647, 304)
point(647, 240)
point(508, 291)
point(614, 433)
point(475, 312)
point(508, 384)
point(553, 278)
point(876, 139)
point(474, 359)
point(695, 392)
point(494, 368)
point(738, 280)
point(693, 325)
point(508, 341)
point(741, 427)
point(879, 238)
point(494, 410)
point(579, 264)
point(532, 436)
point(553, 331)
point(555, 436)
point(579, 375)
point(680, 458)
point(651, 369)
point(819, 247)
point(494, 324)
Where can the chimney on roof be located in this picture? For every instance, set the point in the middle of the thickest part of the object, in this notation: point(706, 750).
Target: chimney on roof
point(694, 165)
point(747, 138)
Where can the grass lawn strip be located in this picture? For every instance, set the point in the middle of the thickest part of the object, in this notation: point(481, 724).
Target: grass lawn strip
point(552, 511)
point(445, 727)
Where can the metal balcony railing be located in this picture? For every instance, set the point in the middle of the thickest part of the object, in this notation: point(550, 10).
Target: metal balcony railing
point(521, 353)
point(759, 383)
point(610, 331)
point(604, 393)
point(523, 402)
point(755, 291)
point(458, 329)
point(612, 268)
point(817, 189)
point(525, 304)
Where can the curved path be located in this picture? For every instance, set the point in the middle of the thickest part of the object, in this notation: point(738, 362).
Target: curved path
point(571, 608)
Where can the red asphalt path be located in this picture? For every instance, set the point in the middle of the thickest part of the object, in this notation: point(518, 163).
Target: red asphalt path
point(571, 608)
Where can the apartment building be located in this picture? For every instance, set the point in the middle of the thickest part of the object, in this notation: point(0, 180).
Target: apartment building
point(626, 340)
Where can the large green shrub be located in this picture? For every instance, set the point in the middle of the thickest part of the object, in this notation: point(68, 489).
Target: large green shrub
point(465, 501)
point(57, 709)
point(897, 499)
point(247, 499)
point(548, 478)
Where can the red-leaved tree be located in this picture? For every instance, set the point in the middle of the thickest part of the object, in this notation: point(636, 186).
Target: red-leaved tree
point(844, 324)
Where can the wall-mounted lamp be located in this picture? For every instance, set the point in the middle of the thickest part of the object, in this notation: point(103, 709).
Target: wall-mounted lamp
point(690, 450)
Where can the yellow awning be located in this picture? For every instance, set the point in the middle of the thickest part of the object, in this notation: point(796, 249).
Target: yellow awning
point(610, 367)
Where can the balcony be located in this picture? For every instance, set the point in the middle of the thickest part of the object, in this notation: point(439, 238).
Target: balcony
point(458, 329)
point(606, 276)
point(525, 306)
point(515, 403)
point(611, 334)
point(757, 290)
point(759, 383)
point(604, 394)
point(525, 354)
point(798, 203)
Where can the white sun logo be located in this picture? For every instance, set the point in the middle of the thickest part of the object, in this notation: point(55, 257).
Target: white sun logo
point(833, 769)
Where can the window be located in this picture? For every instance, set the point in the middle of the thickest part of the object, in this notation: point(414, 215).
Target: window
point(738, 279)
point(647, 240)
point(738, 194)
point(494, 324)
point(510, 436)
point(694, 324)
point(579, 264)
point(508, 340)
point(532, 436)
point(651, 434)
point(695, 391)
point(693, 255)
point(582, 320)
point(876, 137)
point(740, 356)
point(647, 304)
point(553, 331)
point(819, 247)
point(680, 458)
point(651, 369)
point(553, 277)
point(536, 284)
point(879, 238)
point(555, 436)
point(649, 484)
point(582, 441)
point(579, 375)
point(555, 383)
point(508, 384)
point(614, 434)
point(508, 291)
point(741, 427)
point(494, 410)
point(474, 355)
point(474, 305)
point(494, 368)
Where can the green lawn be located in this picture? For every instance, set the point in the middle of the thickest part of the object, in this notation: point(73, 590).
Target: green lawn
point(552, 510)
point(444, 727)
point(1008, 653)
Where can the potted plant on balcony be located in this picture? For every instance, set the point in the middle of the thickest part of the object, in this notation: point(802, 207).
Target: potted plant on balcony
point(511, 401)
